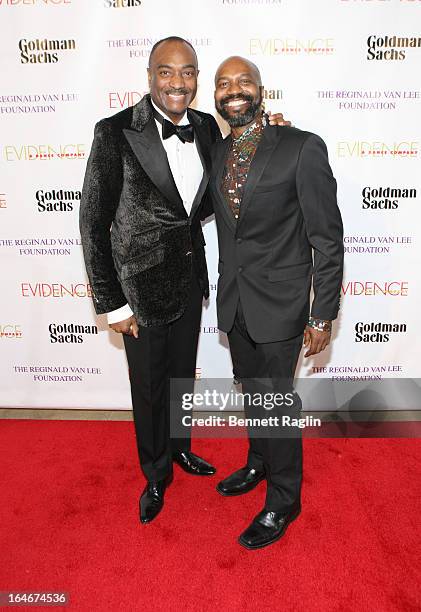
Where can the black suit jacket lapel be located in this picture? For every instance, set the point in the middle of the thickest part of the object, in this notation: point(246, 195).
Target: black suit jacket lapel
point(203, 147)
point(219, 165)
point(270, 139)
point(148, 148)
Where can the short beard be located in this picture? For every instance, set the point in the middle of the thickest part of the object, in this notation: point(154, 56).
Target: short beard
point(241, 119)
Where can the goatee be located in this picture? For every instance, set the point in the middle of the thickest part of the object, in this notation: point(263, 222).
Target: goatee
point(242, 118)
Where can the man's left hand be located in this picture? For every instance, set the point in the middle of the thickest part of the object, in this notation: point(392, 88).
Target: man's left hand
point(277, 119)
point(315, 340)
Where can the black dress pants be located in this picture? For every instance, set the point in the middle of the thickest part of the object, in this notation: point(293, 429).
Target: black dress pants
point(158, 355)
point(269, 368)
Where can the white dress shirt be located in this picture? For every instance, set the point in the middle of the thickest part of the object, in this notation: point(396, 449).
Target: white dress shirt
point(187, 170)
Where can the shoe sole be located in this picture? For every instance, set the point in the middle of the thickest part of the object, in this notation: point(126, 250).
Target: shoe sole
point(278, 537)
point(240, 492)
point(194, 473)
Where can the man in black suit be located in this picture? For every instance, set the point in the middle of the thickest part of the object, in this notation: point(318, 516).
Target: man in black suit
point(145, 181)
point(279, 229)
point(149, 273)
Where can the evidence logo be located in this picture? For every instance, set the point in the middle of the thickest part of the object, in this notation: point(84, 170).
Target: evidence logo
point(3, 201)
point(377, 332)
point(70, 333)
point(43, 152)
point(291, 46)
point(55, 290)
point(376, 149)
point(123, 99)
point(391, 47)
point(385, 198)
point(43, 51)
point(59, 200)
point(374, 288)
point(10, 331)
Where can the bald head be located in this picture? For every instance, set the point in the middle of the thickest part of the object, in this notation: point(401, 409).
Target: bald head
point(236, 63)
point(238, 91)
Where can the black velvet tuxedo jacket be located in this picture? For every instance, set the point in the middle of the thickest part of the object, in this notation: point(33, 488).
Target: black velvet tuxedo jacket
point(289, 233)
point(140, 245)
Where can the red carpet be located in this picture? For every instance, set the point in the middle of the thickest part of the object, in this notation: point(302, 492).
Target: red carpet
point(69, 522)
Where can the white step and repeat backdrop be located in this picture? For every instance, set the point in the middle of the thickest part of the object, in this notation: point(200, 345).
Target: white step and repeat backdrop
point(348, 70)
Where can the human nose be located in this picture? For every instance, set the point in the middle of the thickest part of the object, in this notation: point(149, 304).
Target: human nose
point(177, 81)
point(233, 89)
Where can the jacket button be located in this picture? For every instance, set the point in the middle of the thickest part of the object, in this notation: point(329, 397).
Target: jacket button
point(239, 240)
point(240, 269)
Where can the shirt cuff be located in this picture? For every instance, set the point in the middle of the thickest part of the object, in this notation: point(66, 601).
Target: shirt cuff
point(115, 316)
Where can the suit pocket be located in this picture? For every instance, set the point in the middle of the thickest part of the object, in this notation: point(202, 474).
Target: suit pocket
point(290, 272)
point(141, 242)
point(142, 263)
point(269, 188)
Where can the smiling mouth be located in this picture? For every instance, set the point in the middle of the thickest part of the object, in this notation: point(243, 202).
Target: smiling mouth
point(176, 96)
point(235, 103)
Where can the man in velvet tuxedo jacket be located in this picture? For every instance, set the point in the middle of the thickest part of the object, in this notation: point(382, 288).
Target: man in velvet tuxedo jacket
point(279, 231)
point(142, 201)
point(144, 249)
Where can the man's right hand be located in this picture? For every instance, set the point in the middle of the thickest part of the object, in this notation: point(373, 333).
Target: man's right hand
point(128, 326)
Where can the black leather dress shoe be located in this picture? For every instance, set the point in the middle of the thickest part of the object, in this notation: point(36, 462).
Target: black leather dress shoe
point(192, 464)
point(267, 528)
point(152, 500)
point(241, 481)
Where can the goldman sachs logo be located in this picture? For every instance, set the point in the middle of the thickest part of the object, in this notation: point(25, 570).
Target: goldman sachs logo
point(377, 332)
point(385, 198)
point(70, 333)
point(391, 47)
point(43, 51)
point(56, 200)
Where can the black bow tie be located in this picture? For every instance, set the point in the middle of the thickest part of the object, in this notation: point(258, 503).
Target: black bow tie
point(184, 132)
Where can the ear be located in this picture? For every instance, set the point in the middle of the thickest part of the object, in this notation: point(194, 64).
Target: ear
point(149, 76)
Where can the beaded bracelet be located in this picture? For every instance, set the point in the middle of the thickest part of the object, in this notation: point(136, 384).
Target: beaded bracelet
point(320, 324)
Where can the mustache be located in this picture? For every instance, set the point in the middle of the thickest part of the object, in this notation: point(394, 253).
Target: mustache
point(176, 92)
point(245, 97)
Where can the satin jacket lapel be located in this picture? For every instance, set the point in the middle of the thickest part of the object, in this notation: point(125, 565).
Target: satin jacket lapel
point(270, 139)
point(148, 148)
point(218, 174)
point(203, 147)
